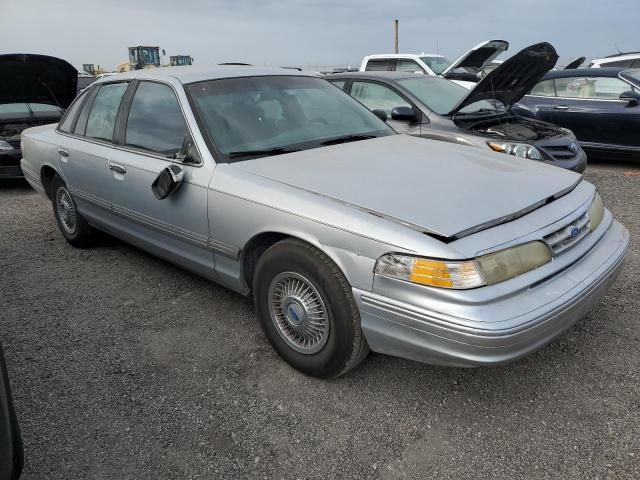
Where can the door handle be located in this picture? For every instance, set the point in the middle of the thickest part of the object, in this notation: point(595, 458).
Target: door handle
point(117, 168)
point(561, 107)
point(63, 153)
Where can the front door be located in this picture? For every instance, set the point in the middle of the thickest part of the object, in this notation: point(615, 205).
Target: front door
point(153, 138)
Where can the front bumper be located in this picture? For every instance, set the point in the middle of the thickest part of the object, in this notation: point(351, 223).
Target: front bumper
point(577, 164)
point(10, 165)
point(442, 338)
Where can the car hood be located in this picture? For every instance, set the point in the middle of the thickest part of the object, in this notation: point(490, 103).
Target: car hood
point(575, 63)
point(514, 78)
point(28, 78)
point(435, 187)
point(479, 56)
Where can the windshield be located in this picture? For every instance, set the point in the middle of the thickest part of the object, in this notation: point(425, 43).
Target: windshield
point(278, 113)
point(436, 63)
point(441, 96)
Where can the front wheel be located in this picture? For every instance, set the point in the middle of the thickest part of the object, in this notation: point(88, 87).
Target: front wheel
point(71, 223)
point(306, 309)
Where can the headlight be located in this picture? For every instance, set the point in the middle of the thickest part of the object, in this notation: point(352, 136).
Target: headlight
point(518, 149)
point(485, 270)
point(4, 146)
point(426, 271)
point(511, 262)
point(596, 211)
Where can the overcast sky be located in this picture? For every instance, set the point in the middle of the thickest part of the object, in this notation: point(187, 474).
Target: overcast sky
point(296, 32)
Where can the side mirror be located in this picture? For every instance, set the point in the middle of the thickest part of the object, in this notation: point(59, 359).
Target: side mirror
point(381, 114)
point(167, 182)
point(631, 96)
point(11, 453)
point(404, 114)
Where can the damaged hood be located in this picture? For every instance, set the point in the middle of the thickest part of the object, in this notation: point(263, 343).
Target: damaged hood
point(28, 78)
point(476, 59)
point(434, 187)
point(513, 78)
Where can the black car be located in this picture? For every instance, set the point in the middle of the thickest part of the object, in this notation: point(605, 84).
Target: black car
point(11, 455)
point(34, 90)
point(439, 109)
point(600, 105)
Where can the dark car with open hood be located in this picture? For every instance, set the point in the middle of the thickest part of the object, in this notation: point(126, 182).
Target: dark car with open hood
point(34, 90)
point(436, 108)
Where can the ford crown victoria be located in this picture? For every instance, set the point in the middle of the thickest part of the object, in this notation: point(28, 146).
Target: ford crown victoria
point(349, 237)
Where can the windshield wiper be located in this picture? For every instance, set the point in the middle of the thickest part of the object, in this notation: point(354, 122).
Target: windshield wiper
point(347, 138)
point(262, 153)
point(482, 111)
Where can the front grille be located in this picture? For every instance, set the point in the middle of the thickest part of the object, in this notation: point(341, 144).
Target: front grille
point(569, 235)
point(10, 171)
point(560, 152)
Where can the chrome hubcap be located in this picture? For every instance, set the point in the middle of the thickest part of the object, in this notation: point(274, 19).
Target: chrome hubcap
point(66, 210)
point(298, 312)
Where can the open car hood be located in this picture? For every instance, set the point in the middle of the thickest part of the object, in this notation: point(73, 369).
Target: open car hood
point(514, 78)
point(29, 78)
point(478, 57)
point(438, 188)
point(576, 63)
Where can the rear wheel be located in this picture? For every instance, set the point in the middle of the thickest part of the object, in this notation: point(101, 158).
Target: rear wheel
point(306, 309)
point(72, 225)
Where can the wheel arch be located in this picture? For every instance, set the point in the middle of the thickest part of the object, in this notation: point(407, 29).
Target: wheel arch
point(260, 242)
point(47, 173)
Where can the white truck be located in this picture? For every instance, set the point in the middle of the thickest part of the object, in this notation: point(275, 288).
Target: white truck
point(466, 70)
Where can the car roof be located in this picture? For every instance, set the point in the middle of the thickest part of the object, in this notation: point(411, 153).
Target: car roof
point(388, 76)
point(190, 74)
point(402, 55)
point(586, 72)
point(617, 56)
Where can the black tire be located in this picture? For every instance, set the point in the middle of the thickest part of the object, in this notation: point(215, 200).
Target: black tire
point(81, 235)
point(345, 346)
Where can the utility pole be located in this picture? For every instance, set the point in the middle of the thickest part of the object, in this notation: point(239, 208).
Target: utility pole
point(395, 35)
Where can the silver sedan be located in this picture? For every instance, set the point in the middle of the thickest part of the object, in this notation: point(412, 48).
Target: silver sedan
point(350, 238)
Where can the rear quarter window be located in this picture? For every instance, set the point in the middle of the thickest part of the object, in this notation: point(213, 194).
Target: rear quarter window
point(72, 112)
point(545, 88)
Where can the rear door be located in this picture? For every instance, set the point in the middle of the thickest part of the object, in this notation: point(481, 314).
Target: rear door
point(84, 147)
point(377, 96)
point(152, 134)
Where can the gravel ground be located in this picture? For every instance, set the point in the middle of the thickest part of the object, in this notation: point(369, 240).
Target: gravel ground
point(124, 366)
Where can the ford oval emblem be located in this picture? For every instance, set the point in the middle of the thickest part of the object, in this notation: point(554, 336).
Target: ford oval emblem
point(573, 232)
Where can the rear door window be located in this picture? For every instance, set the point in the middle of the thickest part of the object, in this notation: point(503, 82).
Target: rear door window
point(155, 121)
point(102, 117)
point(380, 65)
point(407, 65)
point(377, 97)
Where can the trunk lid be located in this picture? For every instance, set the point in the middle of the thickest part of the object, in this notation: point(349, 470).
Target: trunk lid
point(435, 187)
point(29, 78)
point(478, 57)
point(514, 78)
